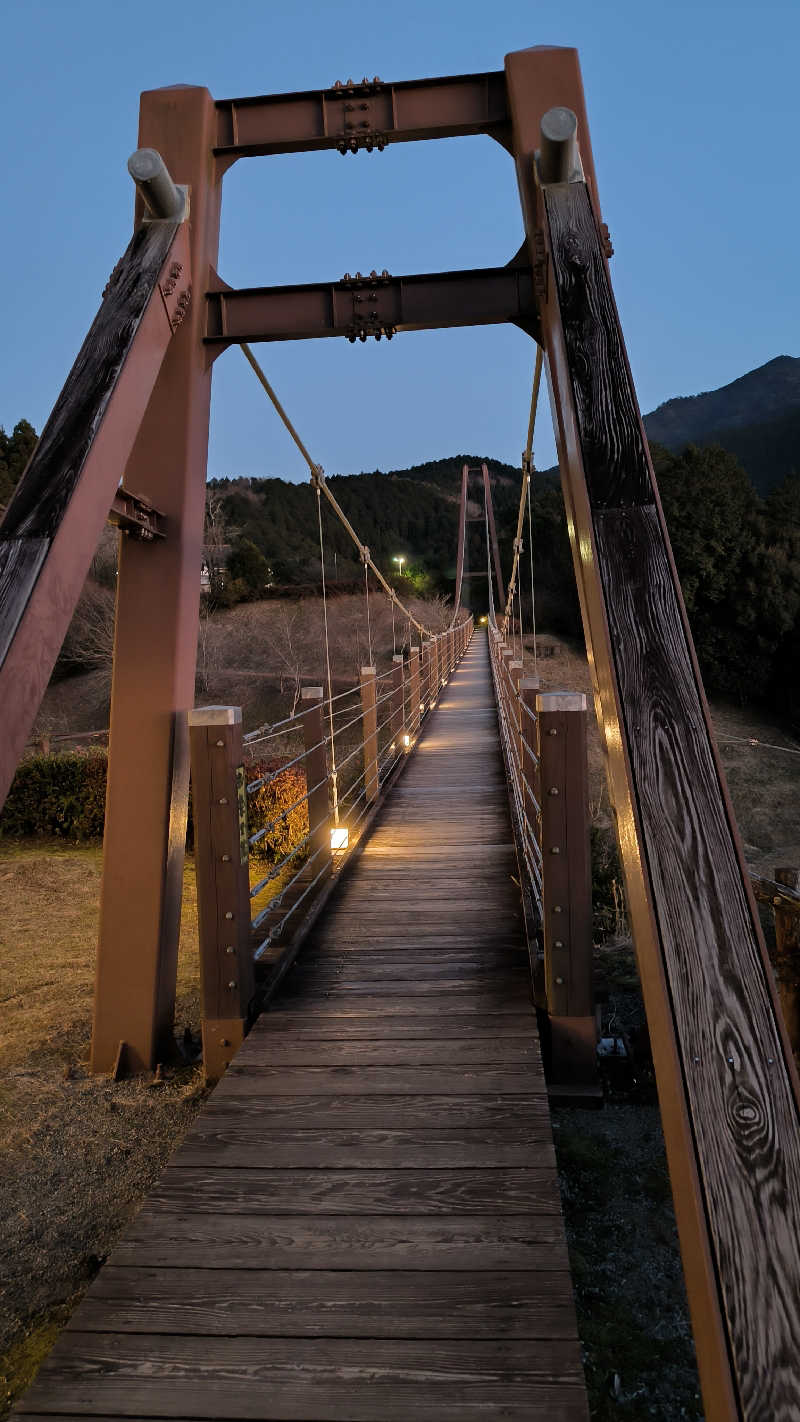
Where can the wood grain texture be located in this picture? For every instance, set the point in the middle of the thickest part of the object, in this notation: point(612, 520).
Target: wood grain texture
point(364, 1221)
point(409, 1051)
point(54, 467)
point(149, 1375)
point(336, 1304)
point(358, 1192)
point(230, 1144)
point(46, 487)
point(261, 1241)
point(340, 1082)
point(718, 1009)
point(738, 1089)
point(614, 455)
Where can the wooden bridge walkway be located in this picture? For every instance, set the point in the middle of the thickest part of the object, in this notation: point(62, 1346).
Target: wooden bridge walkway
point(364, 1224)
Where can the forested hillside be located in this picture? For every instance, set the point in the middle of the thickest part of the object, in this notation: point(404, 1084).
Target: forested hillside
point(756, 417)
point(738, 553)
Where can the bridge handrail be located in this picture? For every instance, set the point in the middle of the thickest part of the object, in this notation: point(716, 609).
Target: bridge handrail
point(349, 765)
point(543, 742)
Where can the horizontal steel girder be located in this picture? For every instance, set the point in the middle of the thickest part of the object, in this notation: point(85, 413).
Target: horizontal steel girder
point(373, 306)
point(366, 115)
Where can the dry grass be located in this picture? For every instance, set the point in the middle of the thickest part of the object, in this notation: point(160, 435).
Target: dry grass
point(77, 1153)
point(49, 904)
point(764, 784)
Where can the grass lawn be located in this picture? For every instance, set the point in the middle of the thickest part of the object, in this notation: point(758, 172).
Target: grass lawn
point(77, 1153)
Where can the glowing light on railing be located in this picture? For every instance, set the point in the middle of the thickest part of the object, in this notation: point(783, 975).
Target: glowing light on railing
point(422, 705)
point(484, 620)
point(406, 740)
point(340, 838)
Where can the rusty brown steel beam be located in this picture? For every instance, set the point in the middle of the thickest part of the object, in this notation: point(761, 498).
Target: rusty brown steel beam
point(155, 641)
point(377, 305)
point(365, 115)
point(136, 516)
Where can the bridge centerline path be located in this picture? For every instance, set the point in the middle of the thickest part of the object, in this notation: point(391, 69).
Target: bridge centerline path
point(364, 1222)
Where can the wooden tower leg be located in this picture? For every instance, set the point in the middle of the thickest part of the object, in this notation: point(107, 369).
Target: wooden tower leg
point(727, 1086)
point(156, 639)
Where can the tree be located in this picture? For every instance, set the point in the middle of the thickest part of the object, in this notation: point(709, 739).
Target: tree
point(15, 451)
point(249, 568)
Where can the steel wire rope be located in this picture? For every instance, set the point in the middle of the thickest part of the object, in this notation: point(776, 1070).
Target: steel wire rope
point(318, 476)
point(525, 498)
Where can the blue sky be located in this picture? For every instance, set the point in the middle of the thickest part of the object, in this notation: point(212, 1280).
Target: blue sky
point(694, 118)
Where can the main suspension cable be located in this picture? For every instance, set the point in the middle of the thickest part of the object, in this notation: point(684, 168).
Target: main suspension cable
point(317, 474)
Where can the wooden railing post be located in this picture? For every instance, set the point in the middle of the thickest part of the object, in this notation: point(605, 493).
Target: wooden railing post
point(567, 886)
point(397, 721)
point(219, 812)
point(316, 769)
point(414, 693)
point(369, 722)
point(436, 684)
point(787, 942)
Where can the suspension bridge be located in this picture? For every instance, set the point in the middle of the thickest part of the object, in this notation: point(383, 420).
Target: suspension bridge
point(365, 1221)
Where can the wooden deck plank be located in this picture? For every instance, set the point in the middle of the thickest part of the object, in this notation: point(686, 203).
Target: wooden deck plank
point(507, 1191)
point(364, 1221)
point(335, 1304)
point(153, 1375)
point(231, 1145)
point(290, 1050)
point(261, 1241)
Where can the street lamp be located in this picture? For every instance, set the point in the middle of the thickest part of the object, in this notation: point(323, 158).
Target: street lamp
point(400, 558)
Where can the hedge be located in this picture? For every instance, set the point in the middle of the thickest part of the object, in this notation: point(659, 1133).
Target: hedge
point(63, 797)
point(57, 797)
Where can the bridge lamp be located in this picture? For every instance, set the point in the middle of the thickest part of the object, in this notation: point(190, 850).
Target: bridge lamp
point(340, 838)
point(406, 741)
point(400, 558)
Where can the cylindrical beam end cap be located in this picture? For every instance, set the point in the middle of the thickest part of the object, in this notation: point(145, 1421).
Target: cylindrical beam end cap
point(162, 198)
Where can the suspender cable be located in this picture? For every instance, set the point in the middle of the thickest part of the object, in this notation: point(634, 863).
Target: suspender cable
point(533, 596)
point(525, 496)
point(317, 473)
point(334, 788)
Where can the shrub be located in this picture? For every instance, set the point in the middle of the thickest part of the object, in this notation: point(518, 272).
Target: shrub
point(277, 797)
point(57, 796)
point(63, 797)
